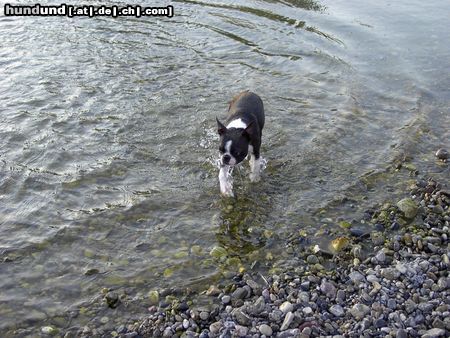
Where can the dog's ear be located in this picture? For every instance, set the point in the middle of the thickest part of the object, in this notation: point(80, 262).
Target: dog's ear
point(248, 130)
point(221, 129)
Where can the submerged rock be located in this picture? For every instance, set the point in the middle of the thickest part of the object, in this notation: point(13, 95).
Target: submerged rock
point(408, 206)
point(442, 154)
point(112, 299)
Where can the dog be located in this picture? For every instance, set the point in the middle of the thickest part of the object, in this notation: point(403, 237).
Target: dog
point(240, 137)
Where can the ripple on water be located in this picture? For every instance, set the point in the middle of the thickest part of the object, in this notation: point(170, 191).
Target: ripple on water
point(108, 160)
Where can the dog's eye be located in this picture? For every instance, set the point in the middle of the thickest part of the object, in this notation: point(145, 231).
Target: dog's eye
point(222, 149)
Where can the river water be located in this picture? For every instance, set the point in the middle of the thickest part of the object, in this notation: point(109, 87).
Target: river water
point(108, 142)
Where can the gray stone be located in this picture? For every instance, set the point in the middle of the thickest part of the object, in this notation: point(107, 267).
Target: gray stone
point(307, 311)
point(380, 256)
point(410, 305)
point(401, 268)
point(434, 333)
point(226, 299)
point(337, 310)
point(392, 304)
point(304, 297)
point(241, 317)
point(185, 323)
point(340, 296)
point(286, 307)
point(439, 324)
point(442, 154)
point(204, 315)
point(214, 328)
point(306, 332)
point(167, 332)
point(312, 259)
point(390, 273)
point(359, 310)
point(408, 206)
point(287, 321)
point(289, 333)
point(356, 277)
point(240, 331)
point(257, 307)
point(239, 293)
point(276, 315)
point(265, 329)
point(401, 334)
point(372, 278)
point(328, 289)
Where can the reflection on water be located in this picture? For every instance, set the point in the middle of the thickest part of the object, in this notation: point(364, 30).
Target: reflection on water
point(107, 161)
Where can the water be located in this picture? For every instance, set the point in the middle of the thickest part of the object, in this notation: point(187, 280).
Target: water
point(107, 159)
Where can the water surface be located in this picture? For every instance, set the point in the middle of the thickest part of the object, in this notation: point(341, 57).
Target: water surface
point(107, 158)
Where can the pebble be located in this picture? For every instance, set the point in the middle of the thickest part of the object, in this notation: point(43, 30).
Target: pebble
point(434, 333)
point(286, 307)
point(214, 328)
point(50, 330)
point(442, 154)
point(265, 330)
point(312, 259)
point(359, 310)
point(241, 317)
point(399, 289)
point(328, 289)
point(240, 331)
point(287, 321)
point(239, 293)
point(401, 333)
point(380, 256)
point(307, 311)
point(356, 277)
point(337, 310)
point(226, 299)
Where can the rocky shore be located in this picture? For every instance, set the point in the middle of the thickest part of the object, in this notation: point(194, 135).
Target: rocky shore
point(397, 288)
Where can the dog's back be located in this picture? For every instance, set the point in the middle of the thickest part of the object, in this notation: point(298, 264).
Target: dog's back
point(247, 103)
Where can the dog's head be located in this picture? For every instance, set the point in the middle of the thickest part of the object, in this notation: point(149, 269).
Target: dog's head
point(234, 143)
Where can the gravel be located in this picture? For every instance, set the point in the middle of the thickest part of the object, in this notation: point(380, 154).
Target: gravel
point(400, 287)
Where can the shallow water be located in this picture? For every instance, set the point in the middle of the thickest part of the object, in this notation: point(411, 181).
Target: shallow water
point(108, 150)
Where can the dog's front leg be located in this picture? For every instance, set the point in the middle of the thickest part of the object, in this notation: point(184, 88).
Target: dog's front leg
point(226, 186)
point(255, 167)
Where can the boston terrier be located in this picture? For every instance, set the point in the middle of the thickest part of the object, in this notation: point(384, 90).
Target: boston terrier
point(241, 136)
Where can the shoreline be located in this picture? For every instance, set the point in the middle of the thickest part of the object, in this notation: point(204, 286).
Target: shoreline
point(399, 289)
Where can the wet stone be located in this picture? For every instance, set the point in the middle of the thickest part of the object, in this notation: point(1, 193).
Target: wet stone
point(312, 259)
point(434, 333)
point(401, 333)
point(287, 321)
point(204, 315)
point(286, 307)
point(265, 329)
point(112, 299)
point(241, 317)
point(359, 310)
point(239, 293)
point(226, 299)
point(356, 277)
point(337, 310)
point(340, 296)
point(214, 328)
point(442, 154)
point(328, 289)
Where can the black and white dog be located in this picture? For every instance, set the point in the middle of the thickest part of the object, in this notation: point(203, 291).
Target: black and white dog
point(240, 137)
